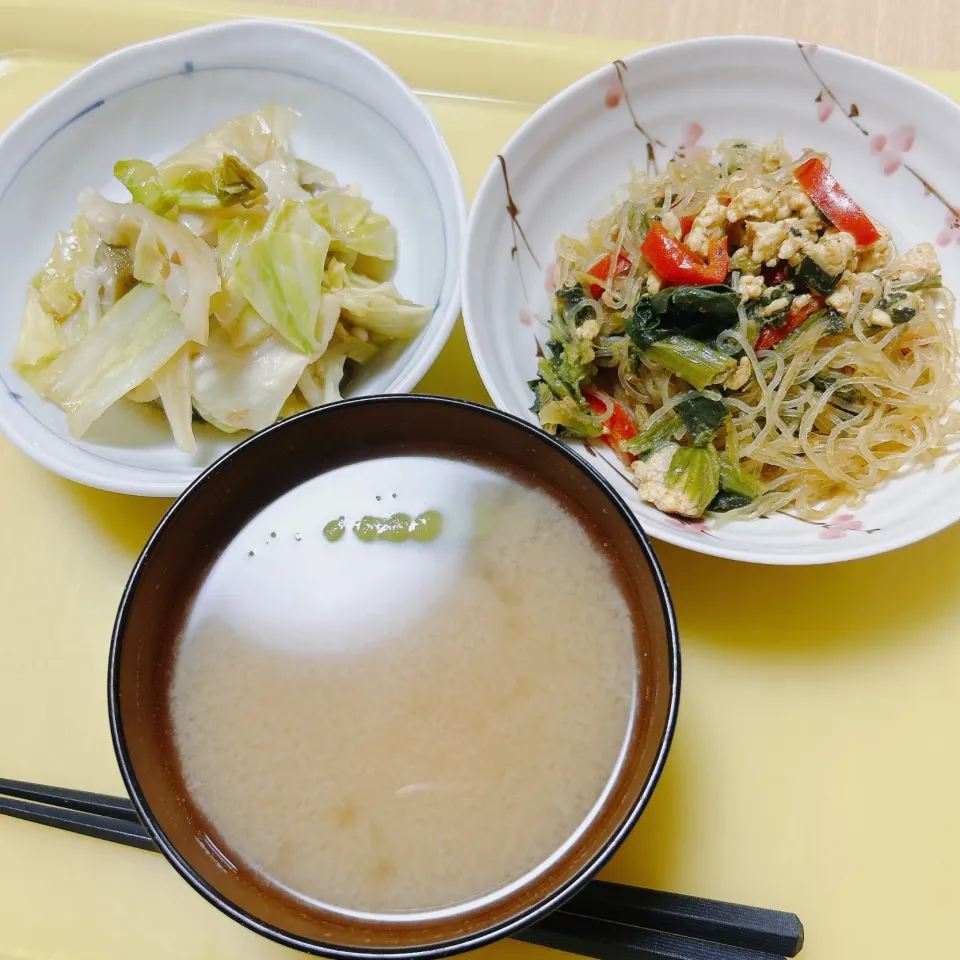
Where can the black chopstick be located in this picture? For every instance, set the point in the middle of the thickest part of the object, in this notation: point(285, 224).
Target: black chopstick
point(604, 940)
point(606, 921)
point(99, 803)
point(77, 821)
point(766, 931)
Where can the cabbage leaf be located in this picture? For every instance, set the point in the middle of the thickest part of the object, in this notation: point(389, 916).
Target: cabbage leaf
point(244, 388)
point(121, 224)
point(131, 343)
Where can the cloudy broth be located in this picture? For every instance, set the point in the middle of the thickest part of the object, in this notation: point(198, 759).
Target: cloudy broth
point(403, 723)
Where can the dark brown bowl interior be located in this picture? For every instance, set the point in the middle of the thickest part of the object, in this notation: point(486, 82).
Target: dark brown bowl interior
point(208, 516)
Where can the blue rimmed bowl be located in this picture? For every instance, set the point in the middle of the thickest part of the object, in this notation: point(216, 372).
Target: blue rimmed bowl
point(358, 119)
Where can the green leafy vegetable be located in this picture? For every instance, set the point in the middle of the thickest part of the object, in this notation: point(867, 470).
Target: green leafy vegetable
point(698, 312)
point(724, 502)
point(695, 473)
point(846, 397)
point(564, 417)
point(898, 307)
point(691, 360)
point(665, 327)
point(927, 283)
point(811, 275)
point(558, 399)
point(655, 435)
point(734, 479)
point(702, 416)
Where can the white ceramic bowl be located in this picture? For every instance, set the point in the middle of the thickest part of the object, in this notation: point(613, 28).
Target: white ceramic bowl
point(894, 143)
point(358, 119)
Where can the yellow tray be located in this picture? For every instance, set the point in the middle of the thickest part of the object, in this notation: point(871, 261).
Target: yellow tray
point(815, 766)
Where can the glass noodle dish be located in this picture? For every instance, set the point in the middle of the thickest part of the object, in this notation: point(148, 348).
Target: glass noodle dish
point(748, 340)
point(237, 285)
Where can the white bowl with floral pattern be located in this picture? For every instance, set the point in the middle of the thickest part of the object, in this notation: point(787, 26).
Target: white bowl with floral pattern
point(894, 142)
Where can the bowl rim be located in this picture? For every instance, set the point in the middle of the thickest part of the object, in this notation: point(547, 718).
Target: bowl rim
point(201, 487)
point(800, 555)
point(147, 480)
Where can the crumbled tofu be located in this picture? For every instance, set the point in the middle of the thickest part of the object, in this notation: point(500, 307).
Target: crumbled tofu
point(776, 306)
point(877, 255)
point(751, 288)
point(798, 238)
point(800, 302)
point(707, 225)
point(833, 252)
point(879, 318)
point(765, 239)
point(651, 476)
point(793, 200)
point(841, 299)
point(654, 282)
point(757, 203)
point(589, 329)
point(922, 261)
point(671, 223)
point(740, 377)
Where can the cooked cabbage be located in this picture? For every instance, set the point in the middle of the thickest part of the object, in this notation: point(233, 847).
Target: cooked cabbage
point(239, 283)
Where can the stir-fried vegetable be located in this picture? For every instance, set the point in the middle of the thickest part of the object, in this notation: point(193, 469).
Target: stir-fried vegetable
point(677, 263)
point(834, 202)
point(771, 335)
point(601, 270)
point(747, 341)
point(238, 284)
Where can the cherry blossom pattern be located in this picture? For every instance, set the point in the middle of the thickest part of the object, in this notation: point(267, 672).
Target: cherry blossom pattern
point(526, 317)
point(951, 230)
point(840, 526)
point(691, 139)
point(825, 107)
point(613, 91)
point(691, 526)
point(891, 147)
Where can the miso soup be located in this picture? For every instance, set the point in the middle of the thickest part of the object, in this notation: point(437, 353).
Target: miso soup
point(399, 721)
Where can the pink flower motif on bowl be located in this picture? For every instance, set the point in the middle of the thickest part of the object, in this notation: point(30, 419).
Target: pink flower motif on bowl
point(951, 230)
point(613, 92)
point(692, 526)
point(891, 147)
point(840, 526)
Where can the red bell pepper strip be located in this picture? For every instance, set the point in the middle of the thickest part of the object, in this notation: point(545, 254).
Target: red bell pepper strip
point(677, 263)
point(771, 336)
point(834, 202)
point(685, 224)
point(601, 270)
point(619, 426)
